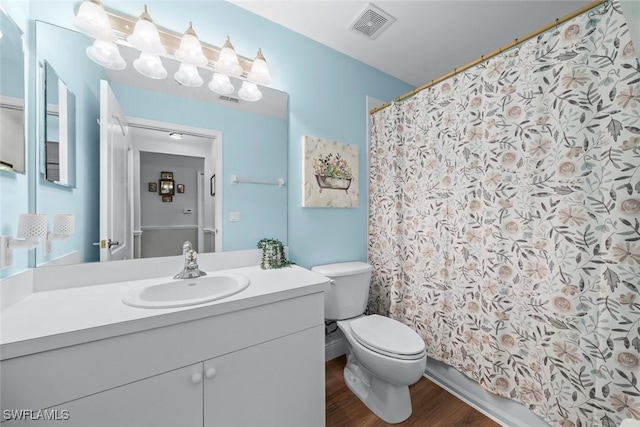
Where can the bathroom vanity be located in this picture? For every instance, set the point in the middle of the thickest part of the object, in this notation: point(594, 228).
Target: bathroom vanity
point(254, 358)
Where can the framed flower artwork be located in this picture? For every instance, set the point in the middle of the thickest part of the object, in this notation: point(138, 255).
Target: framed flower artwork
point(330, 173)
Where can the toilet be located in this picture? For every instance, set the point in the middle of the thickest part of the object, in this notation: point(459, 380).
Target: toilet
point(384, 356)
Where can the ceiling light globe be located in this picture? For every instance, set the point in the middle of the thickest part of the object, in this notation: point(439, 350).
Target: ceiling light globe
point(106, 54)
point(188, 75)
point(221, 84)
point(150, 66)
point(249, 92)
point(93, 21)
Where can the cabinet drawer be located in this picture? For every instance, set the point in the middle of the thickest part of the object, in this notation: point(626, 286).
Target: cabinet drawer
point(51, 378)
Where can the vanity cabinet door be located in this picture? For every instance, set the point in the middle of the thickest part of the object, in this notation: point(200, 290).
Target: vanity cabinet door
point(171, 399)
point(279, 383)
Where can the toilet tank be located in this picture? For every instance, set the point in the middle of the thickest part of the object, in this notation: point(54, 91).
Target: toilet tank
point(349, 289)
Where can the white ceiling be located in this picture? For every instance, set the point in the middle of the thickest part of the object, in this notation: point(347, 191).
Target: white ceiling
point(428, 38)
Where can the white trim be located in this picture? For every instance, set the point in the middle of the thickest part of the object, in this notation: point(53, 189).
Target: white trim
point(168, 227)
point(11, 102)
point(334, 348)
point(504, 411)
point(200, 208)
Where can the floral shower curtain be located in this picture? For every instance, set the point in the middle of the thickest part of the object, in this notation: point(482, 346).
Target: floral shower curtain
point(504, 221)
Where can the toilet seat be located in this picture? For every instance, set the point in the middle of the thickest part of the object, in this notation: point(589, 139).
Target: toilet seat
point(388, 337)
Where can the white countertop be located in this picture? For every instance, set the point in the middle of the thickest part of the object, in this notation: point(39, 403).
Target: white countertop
point(58, 318)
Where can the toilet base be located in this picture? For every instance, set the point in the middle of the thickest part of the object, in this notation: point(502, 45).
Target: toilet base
point(389, 402)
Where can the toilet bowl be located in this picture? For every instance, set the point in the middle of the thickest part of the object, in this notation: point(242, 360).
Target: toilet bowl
point(379, 374)
point(384, 356)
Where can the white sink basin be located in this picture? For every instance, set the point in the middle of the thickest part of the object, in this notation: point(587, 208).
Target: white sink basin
point(182, 292)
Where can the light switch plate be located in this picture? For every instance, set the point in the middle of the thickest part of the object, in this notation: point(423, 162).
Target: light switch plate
point(234, 216)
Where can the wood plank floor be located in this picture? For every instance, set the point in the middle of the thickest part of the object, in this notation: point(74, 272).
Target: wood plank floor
point(432, 405)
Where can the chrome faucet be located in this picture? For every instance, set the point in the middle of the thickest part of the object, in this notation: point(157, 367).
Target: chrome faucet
point(191, 269)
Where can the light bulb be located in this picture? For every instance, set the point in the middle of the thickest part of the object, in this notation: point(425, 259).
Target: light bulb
point(190, 50)
point(259, 70)
point(106, 54)
point(150, 66)
point(187, 75)
point(145, 36)
point(227, 62)
point(249, 92)
point(93, 21)
point(221, 84)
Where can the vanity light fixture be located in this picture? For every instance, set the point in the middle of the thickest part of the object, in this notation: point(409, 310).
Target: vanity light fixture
point(110, 28)
point(227, 62)
point(188, 75)
point(150, 65)
point(106, 54)
point(259, 70)
point(145, 36)
point(93, 21)
point(31, 227)
point(63, 227)
point(249, 92)
point(190, 51)
point(221, 84)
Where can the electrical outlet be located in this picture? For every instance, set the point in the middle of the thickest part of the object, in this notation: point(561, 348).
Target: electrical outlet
point(234, 216)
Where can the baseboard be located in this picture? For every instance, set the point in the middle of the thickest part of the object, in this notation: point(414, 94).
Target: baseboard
point(504, 411)
point(334, 348)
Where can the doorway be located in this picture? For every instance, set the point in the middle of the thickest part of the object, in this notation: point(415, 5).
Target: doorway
point(189, 206)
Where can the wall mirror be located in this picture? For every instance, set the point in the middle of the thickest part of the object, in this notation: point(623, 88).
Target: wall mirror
point(12, 97)
point(59, 136)
point(252, 138)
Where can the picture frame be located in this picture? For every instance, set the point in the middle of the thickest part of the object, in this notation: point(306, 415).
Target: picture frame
point(180, 188)
point(329, 173)
point(166, 175)
point(153, 187)
point(167, 198)
point(167, 187)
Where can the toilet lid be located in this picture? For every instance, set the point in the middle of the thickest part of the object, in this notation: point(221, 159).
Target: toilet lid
point(387, 336)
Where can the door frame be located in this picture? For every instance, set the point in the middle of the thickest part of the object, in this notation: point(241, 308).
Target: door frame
point(216, 138)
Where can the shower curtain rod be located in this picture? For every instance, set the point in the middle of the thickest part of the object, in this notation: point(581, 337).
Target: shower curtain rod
point(491, 54)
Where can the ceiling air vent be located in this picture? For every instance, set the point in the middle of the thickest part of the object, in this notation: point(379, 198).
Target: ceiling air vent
point(372, 21)
point(228, 98)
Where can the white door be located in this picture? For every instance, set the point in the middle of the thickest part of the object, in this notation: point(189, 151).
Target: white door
point(116, 233)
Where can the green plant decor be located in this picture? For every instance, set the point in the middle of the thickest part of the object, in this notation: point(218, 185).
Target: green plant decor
point(332, 167)
point(272, 254)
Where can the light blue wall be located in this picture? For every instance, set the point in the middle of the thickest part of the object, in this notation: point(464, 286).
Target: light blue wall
point(250, 146)
point(81, 76)
point(327, 99)
point(14, 188)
